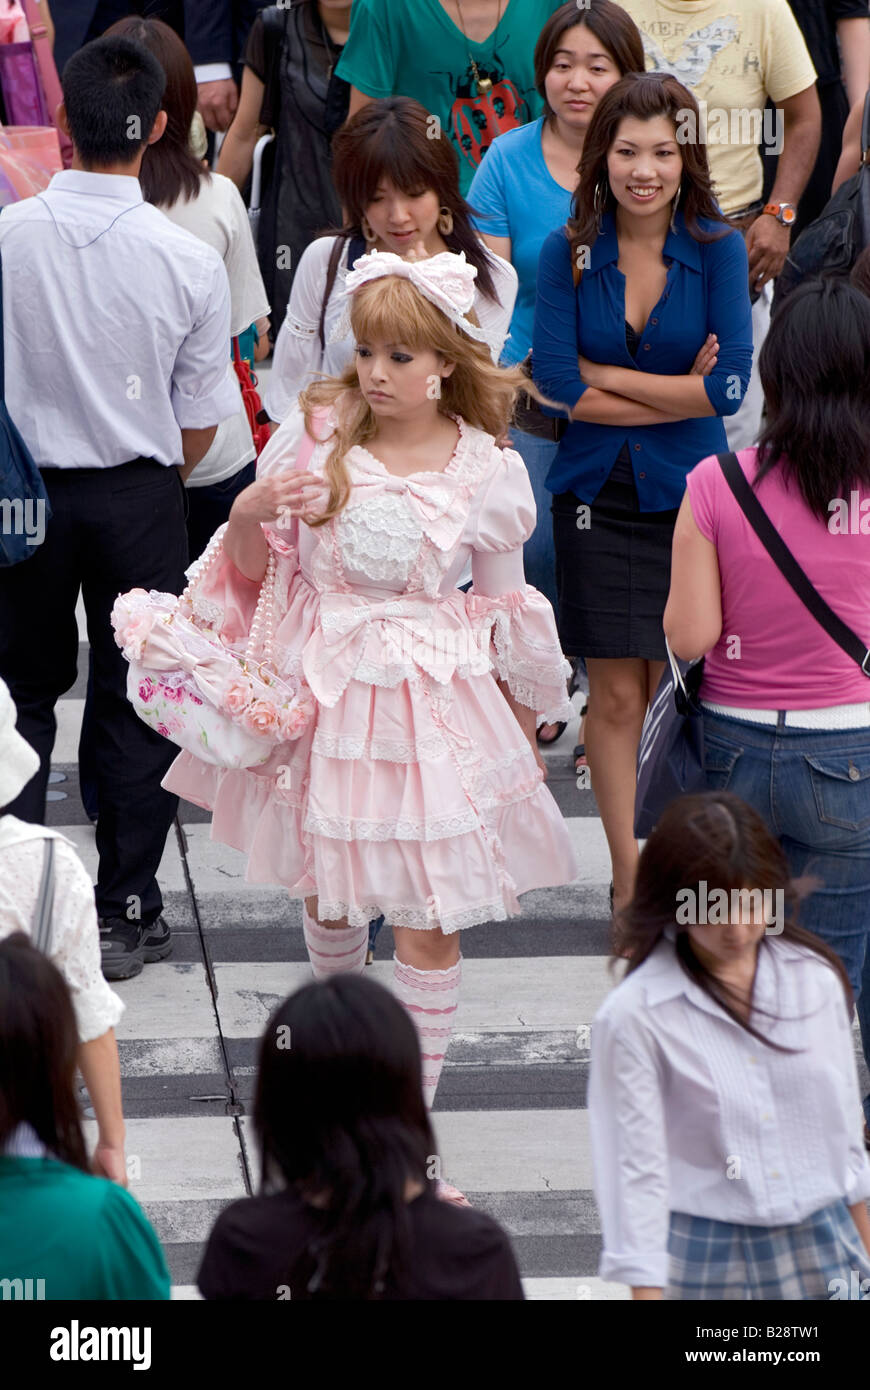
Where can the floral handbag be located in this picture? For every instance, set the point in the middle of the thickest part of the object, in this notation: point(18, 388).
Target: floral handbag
point(223, 706)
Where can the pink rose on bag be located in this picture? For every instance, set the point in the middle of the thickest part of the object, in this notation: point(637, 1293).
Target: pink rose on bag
point(194, 699)
point(261, 718)
point(162, 729)
point(293, 721)
point(238, 697)
point(175, 693)
point(146, 690)
point(132, 623)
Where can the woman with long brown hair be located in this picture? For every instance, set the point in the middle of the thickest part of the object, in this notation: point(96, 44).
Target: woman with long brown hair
point(723, 1096)
point(646, 285)
point(418, 792)
point(399, 188)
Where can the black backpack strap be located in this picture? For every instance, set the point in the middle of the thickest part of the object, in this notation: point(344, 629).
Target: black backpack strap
point(865, 130)
point(788, 566)
point(331, 273)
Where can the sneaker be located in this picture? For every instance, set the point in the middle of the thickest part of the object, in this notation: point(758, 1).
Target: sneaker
point(121, 948)
point(156, 941)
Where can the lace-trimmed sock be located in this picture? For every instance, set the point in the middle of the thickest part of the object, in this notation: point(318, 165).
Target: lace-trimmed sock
point(430, 996)
point(333, 950)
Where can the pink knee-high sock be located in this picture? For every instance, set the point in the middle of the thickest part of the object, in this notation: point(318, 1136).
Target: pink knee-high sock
point(333, 950)
point(430, 996)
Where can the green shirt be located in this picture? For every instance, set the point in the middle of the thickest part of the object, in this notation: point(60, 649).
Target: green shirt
point(82, 1236)
point(412, 48)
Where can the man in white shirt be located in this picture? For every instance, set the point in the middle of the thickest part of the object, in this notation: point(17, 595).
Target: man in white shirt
point(116, 333)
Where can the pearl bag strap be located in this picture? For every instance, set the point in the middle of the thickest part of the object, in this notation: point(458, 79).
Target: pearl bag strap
point(263, 622)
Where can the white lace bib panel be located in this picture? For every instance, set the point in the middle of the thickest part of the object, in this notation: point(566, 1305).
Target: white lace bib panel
point(379, 539)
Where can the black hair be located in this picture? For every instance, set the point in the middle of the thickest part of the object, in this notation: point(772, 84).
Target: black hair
point(716, 839)
point(814, 367)
point(397, 139)
point(112, 90)
point(340, 1117)
point(38, 1050)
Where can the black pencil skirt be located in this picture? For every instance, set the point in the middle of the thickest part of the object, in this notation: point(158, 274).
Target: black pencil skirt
point(613, 574)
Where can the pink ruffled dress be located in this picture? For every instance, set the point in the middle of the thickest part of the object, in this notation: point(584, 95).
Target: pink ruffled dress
point(414, 792)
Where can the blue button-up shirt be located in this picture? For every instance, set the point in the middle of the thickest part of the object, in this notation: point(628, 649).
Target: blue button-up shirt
point(707, 291)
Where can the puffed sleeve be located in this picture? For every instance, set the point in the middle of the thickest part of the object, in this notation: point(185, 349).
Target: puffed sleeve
point(297, 356)
point(525, 648)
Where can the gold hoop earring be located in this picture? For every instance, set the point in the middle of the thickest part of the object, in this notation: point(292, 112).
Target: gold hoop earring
point(675, 205)
point(445, 222)
point(370, 236)
point(599, 200)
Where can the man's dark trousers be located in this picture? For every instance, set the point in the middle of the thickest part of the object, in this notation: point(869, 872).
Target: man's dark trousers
point(112, 529)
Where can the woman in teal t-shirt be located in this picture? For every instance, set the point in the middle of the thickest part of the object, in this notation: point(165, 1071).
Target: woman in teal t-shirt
point(523, 191)
point(469, 62)
point(64, 1234)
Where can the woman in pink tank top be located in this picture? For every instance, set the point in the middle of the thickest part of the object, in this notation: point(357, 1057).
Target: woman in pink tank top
point(786, 710)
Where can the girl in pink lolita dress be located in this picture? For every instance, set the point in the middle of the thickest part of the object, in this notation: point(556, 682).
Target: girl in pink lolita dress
point(414, 793)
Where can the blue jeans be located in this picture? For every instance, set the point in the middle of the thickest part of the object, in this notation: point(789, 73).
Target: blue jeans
point(539, 555)
point(812, 787)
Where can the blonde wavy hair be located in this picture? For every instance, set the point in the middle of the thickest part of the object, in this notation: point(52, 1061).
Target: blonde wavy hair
point(392, 310)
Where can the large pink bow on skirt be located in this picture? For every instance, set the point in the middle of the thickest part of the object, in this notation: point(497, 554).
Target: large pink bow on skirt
point(414, 629)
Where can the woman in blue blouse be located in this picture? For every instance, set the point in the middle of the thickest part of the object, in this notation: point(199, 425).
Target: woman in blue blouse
point(523, 189)
point(643, 330)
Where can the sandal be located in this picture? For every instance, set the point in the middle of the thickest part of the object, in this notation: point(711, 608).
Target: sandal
point(580, 748)
point(560, 728)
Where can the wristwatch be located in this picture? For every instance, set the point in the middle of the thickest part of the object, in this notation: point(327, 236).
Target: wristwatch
point(785, 213)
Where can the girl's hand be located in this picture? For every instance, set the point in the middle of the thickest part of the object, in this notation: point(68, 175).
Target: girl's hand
point(417, 252)
point(593, 373)
point(707, 356)
point(285, 494)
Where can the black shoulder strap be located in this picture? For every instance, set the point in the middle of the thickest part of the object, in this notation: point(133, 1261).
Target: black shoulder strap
point(275, 18)
point(331, 273)
point(785, 562)
point(42, 914)
point(865, 130)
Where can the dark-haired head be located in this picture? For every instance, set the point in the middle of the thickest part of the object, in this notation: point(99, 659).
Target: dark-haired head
point(169, 170)
point(397, 142)
point(38, 1049)
point(643, 97)
point(814, 366)
point(112, 92)
point(340, 1117)
point(705, 845)
point(617, 34)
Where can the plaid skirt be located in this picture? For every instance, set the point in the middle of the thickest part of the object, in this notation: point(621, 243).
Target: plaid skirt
point(721, 1261)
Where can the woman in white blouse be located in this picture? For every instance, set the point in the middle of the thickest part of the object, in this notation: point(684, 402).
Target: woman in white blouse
point(74, 945)
point(724, 1106)
point(399, 187)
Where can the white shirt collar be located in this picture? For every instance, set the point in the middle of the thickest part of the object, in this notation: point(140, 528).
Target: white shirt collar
point(94, 185)
point(666, 978)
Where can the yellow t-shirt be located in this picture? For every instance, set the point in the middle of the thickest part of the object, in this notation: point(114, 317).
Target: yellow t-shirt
point(733, 55)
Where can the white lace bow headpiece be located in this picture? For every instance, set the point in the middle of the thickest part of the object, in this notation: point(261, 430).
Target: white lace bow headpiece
point(446, 280)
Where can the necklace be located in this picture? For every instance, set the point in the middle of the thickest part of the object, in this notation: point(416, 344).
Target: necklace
point(483, 84)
